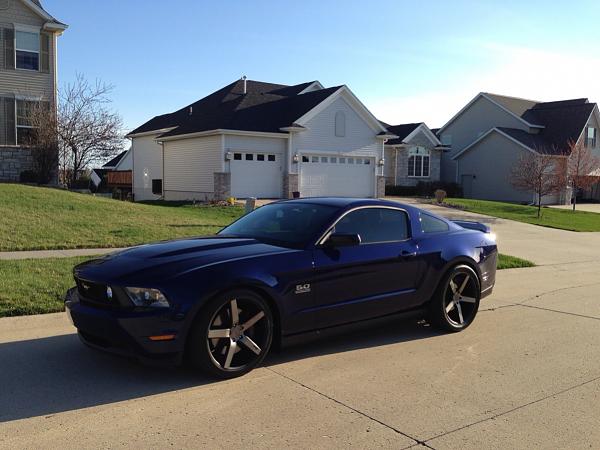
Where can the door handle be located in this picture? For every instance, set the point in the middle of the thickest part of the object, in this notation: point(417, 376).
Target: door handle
point(407, 254)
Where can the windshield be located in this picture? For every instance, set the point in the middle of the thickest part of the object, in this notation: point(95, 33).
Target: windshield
point(287, 224)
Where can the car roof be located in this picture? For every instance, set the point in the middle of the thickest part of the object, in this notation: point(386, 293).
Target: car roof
point(348, 202)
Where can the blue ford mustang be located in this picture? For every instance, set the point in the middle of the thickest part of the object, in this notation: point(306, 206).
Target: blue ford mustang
point(287, 270)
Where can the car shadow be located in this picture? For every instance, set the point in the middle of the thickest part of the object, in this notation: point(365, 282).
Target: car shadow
point(42, 377)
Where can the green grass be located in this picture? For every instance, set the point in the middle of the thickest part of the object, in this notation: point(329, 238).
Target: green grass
point(33, 218)
point(563, 219)
point(35, 286)
point(38, 286)
point(512, 262)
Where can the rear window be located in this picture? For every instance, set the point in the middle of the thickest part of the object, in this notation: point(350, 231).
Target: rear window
point(430, 224)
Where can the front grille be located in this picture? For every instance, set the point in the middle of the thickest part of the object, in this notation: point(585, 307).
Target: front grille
point(93, 294)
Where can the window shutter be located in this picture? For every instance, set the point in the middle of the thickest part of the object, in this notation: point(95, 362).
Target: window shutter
point(9, 48)
point(10, 126)
point(44, 52)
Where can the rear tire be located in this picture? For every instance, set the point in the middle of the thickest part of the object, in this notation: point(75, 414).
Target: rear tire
point(231, 335)
point(456, 300)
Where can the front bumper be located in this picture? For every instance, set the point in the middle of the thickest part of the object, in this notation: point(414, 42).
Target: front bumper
point(127, 333)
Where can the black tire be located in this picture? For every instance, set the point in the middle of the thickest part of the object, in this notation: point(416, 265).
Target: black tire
point(454, 306)
point(236, 346)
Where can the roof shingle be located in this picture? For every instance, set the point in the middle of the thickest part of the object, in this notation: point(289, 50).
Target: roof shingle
point(265, 107)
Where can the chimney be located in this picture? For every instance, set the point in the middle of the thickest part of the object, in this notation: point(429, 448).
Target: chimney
point(245, 84)
point(191, 110)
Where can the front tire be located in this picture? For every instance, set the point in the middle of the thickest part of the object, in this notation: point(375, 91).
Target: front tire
point(232, 334)
point(456, 300)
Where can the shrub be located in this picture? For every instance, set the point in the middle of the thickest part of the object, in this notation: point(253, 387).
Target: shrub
point(440, 195)
point(28, 176)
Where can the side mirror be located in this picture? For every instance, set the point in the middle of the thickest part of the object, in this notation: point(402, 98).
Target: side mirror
point(343, 240)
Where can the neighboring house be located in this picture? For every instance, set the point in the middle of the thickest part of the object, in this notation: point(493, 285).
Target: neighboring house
point(415, 155)
point(256, 139)
point(489, 135)
point(115, 174)
point(28, 37)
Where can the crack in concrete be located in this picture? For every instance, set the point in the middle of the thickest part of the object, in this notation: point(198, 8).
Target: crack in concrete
point(516, 408)
point(390, 427)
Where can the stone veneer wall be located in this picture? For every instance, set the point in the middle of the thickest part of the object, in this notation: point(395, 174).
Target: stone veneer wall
point(222, 182)
point(290, 184)
point(13, 161)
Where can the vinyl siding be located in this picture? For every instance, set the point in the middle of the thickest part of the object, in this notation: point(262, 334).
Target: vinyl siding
point(479, 118)
point(147, 159)
point(189, 167)
point(25, 82)
point(490, 161)
point(359, 139)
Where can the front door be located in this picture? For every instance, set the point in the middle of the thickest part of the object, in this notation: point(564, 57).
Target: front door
point(375, 278)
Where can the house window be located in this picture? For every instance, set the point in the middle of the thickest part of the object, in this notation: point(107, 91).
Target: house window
point(591, 136)
point(260, 157)
point(157, 186)
point(272, 158)
point(340, 124)
point(249, 157)
point(418, 162)
point(25, 126)
point(27, 50)
point(305, 159)
point(237, 156)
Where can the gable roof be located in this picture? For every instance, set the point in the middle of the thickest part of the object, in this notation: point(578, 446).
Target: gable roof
point(402, 131)
point(264, 107)
point(36, 6)
point(563, 122)
point(115, 161)
point(512, 105)
point(406, 131)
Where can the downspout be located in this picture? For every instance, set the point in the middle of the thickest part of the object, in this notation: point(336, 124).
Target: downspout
point(162, 196)
point(395, 166)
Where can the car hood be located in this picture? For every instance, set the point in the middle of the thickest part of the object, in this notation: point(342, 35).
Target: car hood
point(164, 260)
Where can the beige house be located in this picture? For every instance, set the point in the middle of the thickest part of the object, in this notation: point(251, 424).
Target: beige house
point(28, 36)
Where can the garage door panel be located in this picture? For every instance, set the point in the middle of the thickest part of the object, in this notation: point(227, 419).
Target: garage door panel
point(342, 176)
point(256, 175)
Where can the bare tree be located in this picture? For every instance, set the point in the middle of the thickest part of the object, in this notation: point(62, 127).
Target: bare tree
point(88, 130)
point(539, 173)
point(43, 141)
point(582, 165)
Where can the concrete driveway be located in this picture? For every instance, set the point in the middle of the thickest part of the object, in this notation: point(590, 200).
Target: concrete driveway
point(525, 374)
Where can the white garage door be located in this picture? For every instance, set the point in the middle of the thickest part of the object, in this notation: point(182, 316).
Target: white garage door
point(256, 175)
point(340, 176)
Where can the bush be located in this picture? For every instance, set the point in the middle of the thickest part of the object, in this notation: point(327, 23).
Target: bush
point(440, 195)
point(425, 189)
point(28, 176)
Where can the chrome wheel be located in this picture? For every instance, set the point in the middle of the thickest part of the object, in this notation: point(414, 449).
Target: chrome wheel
point(238, 335)
point(461, 298)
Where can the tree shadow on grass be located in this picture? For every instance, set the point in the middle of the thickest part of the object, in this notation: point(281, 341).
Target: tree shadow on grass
point(41, 377)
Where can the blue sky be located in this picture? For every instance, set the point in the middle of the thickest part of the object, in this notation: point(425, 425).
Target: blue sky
point(407, 61)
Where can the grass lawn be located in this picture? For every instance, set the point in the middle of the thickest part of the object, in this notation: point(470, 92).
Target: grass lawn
point(33, 218)
point(37, 286)
point(512, 262)
point(563, 219)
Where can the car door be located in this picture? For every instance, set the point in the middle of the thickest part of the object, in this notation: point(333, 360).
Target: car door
point(374, 278)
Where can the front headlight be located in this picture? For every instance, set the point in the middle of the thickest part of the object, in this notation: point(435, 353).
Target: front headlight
point(147, 297)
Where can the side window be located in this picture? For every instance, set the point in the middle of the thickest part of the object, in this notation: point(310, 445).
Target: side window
point(375, 225)
point(430, 224)
point(157, 186)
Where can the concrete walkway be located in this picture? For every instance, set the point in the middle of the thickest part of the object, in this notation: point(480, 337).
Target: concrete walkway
point(34, 254)
point(589, 207)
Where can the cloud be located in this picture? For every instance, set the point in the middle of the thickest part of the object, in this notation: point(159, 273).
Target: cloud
point(510, 70)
